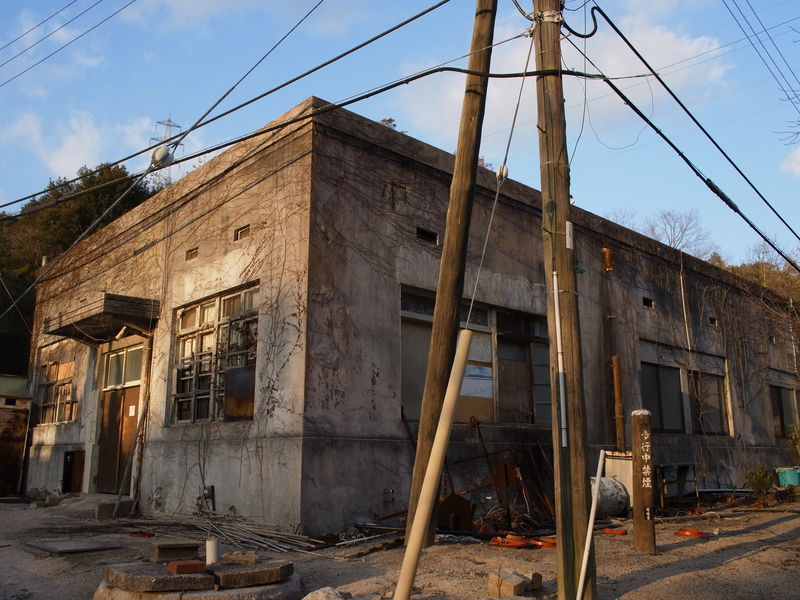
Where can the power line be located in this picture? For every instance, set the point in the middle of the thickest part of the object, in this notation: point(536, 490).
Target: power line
point(75, 39)
point(183, 135)
point(56, 30)
point(709, 183)
point(248, 102)
point(785, 90)
point(39, 24)
point(597, 9)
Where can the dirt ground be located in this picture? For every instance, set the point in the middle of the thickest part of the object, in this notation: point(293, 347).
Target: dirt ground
point(751, 553)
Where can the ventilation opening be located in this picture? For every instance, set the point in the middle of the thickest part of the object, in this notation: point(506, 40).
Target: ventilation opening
point(241, 233)
point(426, 235)
point(648, 302)
point(191, 253)
point(713, 321)
point(771, 339)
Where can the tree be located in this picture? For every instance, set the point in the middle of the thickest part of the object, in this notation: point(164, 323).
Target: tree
point(46, 227)
point(766, 268)
point(681, 230)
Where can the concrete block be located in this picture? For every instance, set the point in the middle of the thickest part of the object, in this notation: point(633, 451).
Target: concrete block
point(239, 576)
point(181, 567)
point(506, 583)
point(326, 593)
point(291, 589)
point(169, 549)
point(240, 558)
point(105, 510)
point(145, 577)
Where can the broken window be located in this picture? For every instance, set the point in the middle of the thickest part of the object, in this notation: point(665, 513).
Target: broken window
point(707, 393)
point(661, 395)
point(783, 410)
point(523, 359)
point(58, 403)
point(216, 357)
point(509, 385)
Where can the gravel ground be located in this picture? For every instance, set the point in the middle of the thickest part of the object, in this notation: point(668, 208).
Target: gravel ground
point(751, 553)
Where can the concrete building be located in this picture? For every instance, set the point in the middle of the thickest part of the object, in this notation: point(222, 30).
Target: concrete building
point(15, 403)
point(253, 339)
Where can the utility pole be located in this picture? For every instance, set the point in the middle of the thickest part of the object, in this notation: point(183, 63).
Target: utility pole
point(569, 427)
point(450, 287)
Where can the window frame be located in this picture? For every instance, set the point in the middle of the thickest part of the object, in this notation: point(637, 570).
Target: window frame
point(696, 378)
point(59, 403)
point(200, 371)
point(657, 419)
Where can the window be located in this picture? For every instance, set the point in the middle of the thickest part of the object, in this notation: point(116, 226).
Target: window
point(523, 362)
point(708, 403)
point(661, 395)
point(57, 401)
point(241, 232)
point(783, 410)
point(511, 385)
point(648, 302)
point(192, 253)
point(216, 357)
point(426, 235)
point(123, 368)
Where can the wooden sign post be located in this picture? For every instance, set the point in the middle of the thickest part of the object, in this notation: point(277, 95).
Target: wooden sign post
point(644, 525)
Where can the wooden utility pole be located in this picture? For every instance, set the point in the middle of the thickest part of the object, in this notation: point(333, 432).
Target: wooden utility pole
point(644, 523)
point(450, 287)
point(569, 427)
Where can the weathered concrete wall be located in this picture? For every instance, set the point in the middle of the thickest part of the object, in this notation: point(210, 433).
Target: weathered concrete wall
point(253, 466)
point(336, 206)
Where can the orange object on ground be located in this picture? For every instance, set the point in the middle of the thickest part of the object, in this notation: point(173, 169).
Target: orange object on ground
point(543, 542)
point(693, 533)
point(184, 567)
point(615, 531)
point(510, 541)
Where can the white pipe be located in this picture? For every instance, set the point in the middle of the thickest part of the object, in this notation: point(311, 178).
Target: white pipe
point(430, 483)
point(561, 376)
point(590, 528)
point(212, 551)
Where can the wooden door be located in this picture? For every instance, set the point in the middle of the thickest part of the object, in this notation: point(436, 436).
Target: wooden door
point(117, 432)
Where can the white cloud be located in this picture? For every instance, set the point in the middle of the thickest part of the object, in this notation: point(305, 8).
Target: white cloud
point(791, 164)
point(82, 59)
point(442, 95)
point(78, 142)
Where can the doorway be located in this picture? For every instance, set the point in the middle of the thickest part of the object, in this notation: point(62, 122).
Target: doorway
point(119, 407)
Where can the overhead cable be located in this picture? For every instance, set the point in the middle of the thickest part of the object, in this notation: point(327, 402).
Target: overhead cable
point(252, 100)
point(39, 24)
point(597, 9)
point(56, 30)
point(709, 183)
point(73, 40)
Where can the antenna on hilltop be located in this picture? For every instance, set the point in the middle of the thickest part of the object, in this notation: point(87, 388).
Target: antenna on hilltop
point(164, 178)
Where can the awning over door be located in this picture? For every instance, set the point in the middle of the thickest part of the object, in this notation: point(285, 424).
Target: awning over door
point(101, 320)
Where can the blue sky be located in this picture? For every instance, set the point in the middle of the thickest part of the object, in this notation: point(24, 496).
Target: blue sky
point(99, 98)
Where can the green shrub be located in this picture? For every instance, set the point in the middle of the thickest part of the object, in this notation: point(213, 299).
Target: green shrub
point(759, 481)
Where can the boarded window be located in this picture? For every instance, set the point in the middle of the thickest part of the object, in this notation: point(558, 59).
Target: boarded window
point(783, 410)
point(58, 403)
point(708, 403)
point(661, 395)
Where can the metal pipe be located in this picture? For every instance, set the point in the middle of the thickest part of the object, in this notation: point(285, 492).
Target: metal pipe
point(588, 545)
point(430, 482)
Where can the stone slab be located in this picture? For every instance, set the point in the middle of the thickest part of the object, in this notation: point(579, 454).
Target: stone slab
point(72, 546)
point(147, 577)
point(290, 589)
point(239, 576)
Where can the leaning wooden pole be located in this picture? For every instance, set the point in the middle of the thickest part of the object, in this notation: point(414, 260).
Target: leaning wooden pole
point(569, 428)
point(450, 287)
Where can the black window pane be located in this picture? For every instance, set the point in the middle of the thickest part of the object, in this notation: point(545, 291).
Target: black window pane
point(650, 394)
point(671, 400)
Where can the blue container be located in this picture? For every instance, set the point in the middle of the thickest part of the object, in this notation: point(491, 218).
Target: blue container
point(788, 477)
